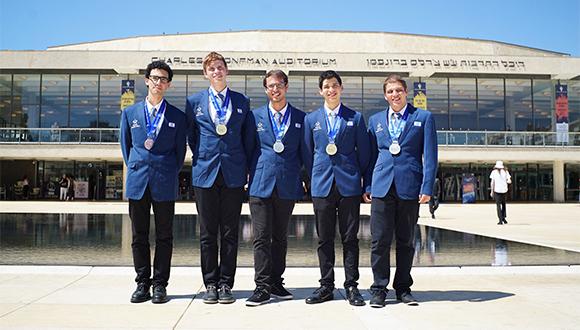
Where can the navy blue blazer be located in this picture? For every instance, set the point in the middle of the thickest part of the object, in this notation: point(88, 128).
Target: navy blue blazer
point(159, 167)
point(414, 169)
point(271, 170)
point(211, 152)
point(350, 162)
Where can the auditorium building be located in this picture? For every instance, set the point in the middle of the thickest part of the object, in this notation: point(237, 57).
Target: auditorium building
point(60, 107)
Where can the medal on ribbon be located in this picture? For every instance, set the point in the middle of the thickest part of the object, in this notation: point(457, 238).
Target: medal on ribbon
point(279, 131)
point(152, 127)
point(331, 148)
point(221, 111)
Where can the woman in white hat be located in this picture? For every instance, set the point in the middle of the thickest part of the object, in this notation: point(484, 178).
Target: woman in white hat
point(500, 178)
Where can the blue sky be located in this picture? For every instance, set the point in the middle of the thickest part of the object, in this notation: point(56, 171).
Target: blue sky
point(32, 24)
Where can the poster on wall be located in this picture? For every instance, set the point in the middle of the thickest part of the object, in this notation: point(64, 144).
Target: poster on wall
point(561, 113)
point(81, 189)
point(420, 95)
point(468, 183)
point(127, 93)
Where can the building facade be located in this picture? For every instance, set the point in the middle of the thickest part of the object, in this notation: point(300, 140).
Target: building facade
point(60, 107)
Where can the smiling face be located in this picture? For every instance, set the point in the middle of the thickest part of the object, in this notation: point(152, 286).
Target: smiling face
point(157, 83)
point(276, 89)
point(331, 91)
point(216, 72)
point(396, 95)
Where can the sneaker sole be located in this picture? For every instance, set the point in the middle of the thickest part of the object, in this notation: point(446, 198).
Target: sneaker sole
point(138, 301)
point(290, 297)
point(377, 305)
point(256, 303)
point(409, 303)
point(210, 302)
point(226, 301)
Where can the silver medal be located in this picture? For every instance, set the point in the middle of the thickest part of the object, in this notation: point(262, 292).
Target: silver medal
point(395, 148)
point(278, 146)
point(149, 143)
point(221, 129)
point(331, 149)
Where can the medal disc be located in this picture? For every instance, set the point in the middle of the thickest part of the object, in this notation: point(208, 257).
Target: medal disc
point(148, 143)
point(221, 129)
point(331, 149)
point(395, 148)
point(278, 146)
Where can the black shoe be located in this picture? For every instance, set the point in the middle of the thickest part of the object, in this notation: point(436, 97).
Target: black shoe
point(504, 221)
point(408, 299)
point(211, 295)
point(280, 292)
point(378, 299)
point(322, 294)
point(500, 222)
point(354, 297)
point(225, 295)
point(433, 216)
point(141, 294)
point(159, 295)
point(261, 296)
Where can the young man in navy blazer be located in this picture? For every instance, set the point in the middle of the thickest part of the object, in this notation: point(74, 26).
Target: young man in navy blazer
point(153, 144)
point(401, 175)
point(337, 147)
point(274, 185)
point(221, 138)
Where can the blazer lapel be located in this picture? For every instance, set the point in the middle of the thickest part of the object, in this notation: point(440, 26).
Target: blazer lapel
point(141, 115)
point(384, 134)
point(291, 124)
point(409, 123)
point(265, 119)
point(204, 104)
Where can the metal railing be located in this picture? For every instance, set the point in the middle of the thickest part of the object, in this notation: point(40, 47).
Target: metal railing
point(59, 135)
point(444, 138)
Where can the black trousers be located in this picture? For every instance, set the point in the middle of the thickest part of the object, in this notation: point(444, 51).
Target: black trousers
point(392, 214)
point(500, 205)
point(270, 217)
point(326, 212)
point(139, 212)
point(218, 210)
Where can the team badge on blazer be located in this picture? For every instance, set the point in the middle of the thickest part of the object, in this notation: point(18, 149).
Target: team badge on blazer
point(350, 123)
point(297, 125)
point(171, 124)
point(260, 127)
point(198, 112)
point(379, 128)
point(135, 124)
point(240, 111)
point(317, 126)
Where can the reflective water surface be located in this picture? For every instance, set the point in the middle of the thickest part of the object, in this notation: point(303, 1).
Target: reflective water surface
point(104, 239)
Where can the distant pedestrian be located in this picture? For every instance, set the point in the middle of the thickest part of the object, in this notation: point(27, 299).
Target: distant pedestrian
point(500, 178)
point(64, 184)
point(70, 195)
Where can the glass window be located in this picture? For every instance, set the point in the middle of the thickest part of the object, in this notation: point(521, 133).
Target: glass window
point(312, 94)
point(27, 115)
point(255, 91)
point(140, 87)
point(26, 89)
point(55, 89)
point(5, 99)
point(110, 101)
point(438, 101)
point(572, 180)
point(295, 94)
point(518, 104)
point(373, 96)
point(196, 83)
point(463, 112)
point(352, 92)
point(574, 106)
point(490, 103)
point(54, 115)
point(84, 100)
point(177, 93)
point(543, 105)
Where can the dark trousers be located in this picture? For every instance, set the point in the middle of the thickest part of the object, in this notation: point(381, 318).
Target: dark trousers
point(325, 211)
point(218, 210)
point(392, 214)
point(139, 212)
point(500, 205)
point(270, 217)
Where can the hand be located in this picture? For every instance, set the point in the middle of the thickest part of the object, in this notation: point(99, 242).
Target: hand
point(491, 194)
point(367, 197)
point(424, 199)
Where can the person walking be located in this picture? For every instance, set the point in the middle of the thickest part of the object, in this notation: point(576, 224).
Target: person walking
point(500, 179)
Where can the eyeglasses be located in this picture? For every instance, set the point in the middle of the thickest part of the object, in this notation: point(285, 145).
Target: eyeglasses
point(273, 86)
point(158, 79)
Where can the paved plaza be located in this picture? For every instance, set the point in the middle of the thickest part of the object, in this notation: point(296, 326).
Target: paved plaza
point(531, 297)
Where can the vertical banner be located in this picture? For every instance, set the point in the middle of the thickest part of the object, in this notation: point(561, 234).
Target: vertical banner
point(420, 95)
point(468, 184)
point(561, 113)
point(127, 93)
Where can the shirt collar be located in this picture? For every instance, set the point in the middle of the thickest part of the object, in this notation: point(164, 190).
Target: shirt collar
point(402, 112)
point(223, 92)
point(151, 106)
point(282, 112)
point(335, 111)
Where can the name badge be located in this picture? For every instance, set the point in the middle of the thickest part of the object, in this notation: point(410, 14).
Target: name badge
point(170, 124)
point(350, 123)
point(417, 123)
point(298, 125)
point(240, 110)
